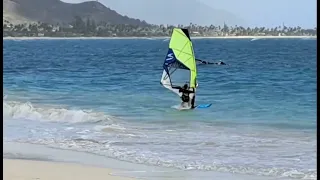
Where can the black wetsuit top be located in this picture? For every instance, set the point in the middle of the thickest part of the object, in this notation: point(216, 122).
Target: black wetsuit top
point(185, 94)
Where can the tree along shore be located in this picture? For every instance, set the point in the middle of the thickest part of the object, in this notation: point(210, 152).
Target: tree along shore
point(89, 28)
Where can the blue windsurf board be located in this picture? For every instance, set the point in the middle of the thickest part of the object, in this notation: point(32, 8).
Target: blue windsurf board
point(202, 106)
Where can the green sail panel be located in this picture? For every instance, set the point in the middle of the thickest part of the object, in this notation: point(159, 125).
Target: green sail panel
point(181, 46)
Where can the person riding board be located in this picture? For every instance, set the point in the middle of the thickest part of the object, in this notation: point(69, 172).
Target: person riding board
point(206, 62)
point(185, 97)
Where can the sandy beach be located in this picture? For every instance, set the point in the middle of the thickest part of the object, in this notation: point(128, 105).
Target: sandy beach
point(42, 170)
point(206, 37)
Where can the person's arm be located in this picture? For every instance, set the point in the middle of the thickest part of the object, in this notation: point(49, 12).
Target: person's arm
point(191, 91)
point(177, 87)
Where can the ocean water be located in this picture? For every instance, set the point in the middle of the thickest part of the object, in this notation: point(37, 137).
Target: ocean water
point(104, 97)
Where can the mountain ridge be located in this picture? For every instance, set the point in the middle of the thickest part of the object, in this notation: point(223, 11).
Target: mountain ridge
point(56, 11)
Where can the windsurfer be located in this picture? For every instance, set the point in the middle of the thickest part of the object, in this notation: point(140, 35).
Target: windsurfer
point(206, 62)
point(185, 97)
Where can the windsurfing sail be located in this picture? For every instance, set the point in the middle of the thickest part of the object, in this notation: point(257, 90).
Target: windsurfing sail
point(179, 66)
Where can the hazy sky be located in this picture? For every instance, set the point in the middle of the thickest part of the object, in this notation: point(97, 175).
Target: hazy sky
point(269, 13)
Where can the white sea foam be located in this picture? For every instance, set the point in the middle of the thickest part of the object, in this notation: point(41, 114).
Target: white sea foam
point(19, 110)
point(111, 149)
point(205, 148)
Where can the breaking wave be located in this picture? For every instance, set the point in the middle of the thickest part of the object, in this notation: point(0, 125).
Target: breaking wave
point(21, 110)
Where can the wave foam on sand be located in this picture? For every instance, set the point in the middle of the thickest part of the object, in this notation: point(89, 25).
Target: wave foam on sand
point(111, 167)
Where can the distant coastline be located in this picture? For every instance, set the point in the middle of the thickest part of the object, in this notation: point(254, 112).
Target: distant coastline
point(165, 37)
point(91, 29)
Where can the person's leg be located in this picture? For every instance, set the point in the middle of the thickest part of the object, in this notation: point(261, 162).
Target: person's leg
point(193, 99)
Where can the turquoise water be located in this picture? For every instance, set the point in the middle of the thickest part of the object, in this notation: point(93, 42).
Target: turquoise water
point(104, 97)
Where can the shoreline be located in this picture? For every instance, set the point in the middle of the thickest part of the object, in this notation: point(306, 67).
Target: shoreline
point(197, 37)
point(26, 158)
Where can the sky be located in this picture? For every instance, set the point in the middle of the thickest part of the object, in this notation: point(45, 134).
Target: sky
point(268, 13)
point(271, 13)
